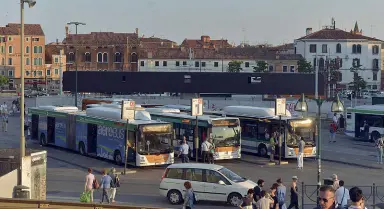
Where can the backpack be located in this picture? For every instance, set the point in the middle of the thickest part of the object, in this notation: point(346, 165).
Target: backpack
point(117, 181)
point(194, 198)
point(96, 184)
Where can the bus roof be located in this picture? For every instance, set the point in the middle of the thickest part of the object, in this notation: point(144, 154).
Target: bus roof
point(253, 112)
point(367, 109)
point(188, 116)
point(60, 108)
point(162, 110)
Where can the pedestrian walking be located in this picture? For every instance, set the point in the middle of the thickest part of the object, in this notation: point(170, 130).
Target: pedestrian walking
point(257, 190)
point(189, 196)
point(105, 185)
point(184, 151)
point(334, 118)
point(335, 180)
point(4, 120)
point(264, 202)
point(342, 195)
point(294, 194)
point(327, 198)
point(205, 149)
point(273, 196)
point(248, 200)
point(212, 152)
point(281, 192)
point(4, 107)
point(379, 146)
point(300, 154)
point(89, 183)
point(332, 131)
point(272, 142)
point(115, 183)
point(341, 123)
point(357, 198)
point(366, 130)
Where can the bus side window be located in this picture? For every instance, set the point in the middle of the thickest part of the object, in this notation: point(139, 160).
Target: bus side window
point(349, 115)
point(261, 131)
point(131, 139)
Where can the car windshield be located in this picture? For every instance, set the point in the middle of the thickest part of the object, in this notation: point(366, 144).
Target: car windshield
point(231, 175)
point(301, 128)
point(226, 136)
point(152, 143)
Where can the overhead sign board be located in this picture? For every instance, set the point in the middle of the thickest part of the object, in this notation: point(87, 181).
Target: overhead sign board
point(280, 107)
point(197, 107)
point(128, 110)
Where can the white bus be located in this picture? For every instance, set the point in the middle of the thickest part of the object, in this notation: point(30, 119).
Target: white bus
point(373, 114)
point(258, 123)
point(225, 131)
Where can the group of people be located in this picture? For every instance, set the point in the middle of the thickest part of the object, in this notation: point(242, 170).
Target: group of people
point(337, 125)
point(207, 151)
point(109, 183)
point(334, 196)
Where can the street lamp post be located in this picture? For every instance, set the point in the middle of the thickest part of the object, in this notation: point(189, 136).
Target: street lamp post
point(301, 106)
point(76, 24)
point(30, 3)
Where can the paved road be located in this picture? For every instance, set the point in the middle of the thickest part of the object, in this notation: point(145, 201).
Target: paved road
point(66, 171)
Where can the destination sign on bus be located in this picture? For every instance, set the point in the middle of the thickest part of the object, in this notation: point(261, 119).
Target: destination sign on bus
point(166, 128)
point(224, 122)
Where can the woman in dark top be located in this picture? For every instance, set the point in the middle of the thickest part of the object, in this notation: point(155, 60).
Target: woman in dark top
point(341, 122)
point(294, 194)
point(274, 196)
point(247, 200)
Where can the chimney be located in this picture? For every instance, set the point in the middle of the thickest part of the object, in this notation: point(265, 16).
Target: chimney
point(137, 31)
point(66, 31)
point(57, 41)
point(308, 31)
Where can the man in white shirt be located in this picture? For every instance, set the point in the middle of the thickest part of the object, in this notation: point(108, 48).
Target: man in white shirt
point(184, 151)
point(4, 107)
point(342, 195)
point(264, 203)
point(335, 118)
point(205, 147)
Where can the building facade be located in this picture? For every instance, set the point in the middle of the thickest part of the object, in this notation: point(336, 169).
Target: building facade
point(352, 49)
point(213, 60)
point(55, 66)
point(34, 54)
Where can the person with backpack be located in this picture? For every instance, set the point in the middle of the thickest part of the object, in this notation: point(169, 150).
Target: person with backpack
point(281, 192)
point(379, 146)
point(90, 183)
point(332, 130)
point(105, 185)
point(115, 183)
point(189, 196)
point(342, 195)
point(247, 200)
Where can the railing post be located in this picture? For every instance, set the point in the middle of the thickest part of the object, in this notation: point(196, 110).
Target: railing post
point(302, 195)
point(374, 195)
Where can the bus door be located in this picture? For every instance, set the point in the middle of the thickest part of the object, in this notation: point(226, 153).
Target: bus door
point(92, 139)
point(51, 122)
point(359, 122)
point(131, 142)
point(35, 127)
point(71, 132)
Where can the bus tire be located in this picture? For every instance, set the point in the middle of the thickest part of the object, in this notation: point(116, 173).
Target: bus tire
point(117, 158)
point(375, 135)
point(262, 150)
point(43, 140)
point(82, 148)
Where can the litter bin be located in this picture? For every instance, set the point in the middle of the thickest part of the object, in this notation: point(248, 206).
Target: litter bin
point(328, 182)
point(21, 191)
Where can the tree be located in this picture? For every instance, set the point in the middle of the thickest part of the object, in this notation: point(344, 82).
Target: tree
point(3, 80)
point(234, 66)
point(261, 67)
point(358, 82)
point(303, 66)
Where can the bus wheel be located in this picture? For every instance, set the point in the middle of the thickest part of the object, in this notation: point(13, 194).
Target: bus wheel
point(262, 150)
point(117, 157)
point(43, 140)
point(82, 148)
point(375, 135)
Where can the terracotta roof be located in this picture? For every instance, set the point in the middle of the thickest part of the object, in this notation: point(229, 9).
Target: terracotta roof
point(52, 49)
point(154, 42)
point(195, 43)
point(29, 29)
point(336, 34)
point(99, 38)
point(230, 53)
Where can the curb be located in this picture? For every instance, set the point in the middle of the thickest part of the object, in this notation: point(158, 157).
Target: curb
point(265, 163)
point(352, 164)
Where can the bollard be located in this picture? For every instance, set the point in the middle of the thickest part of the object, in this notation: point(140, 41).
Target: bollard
point(302, 195)
point(374, 195)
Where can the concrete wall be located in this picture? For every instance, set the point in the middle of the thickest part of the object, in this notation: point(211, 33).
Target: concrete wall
point(8, 182)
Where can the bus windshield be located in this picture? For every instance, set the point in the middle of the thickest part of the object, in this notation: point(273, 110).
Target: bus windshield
point(226, 136)
point(301, 128)
point(154, 143)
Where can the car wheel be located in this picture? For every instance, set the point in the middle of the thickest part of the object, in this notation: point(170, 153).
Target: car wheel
point(262, 150)
point(43, 140)
point(117, 157)
point(174, 197)
point(82, 149)
point(235, 199)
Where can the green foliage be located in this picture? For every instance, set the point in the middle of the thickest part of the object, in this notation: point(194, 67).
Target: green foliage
point(3, 80)
point(234, 66)
point(304, 67)
point(261, 67)
point(358, 82)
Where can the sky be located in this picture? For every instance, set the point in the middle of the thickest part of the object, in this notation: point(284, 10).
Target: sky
point(253, 21)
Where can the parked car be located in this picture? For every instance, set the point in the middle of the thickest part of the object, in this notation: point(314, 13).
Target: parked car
point(209, 181)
